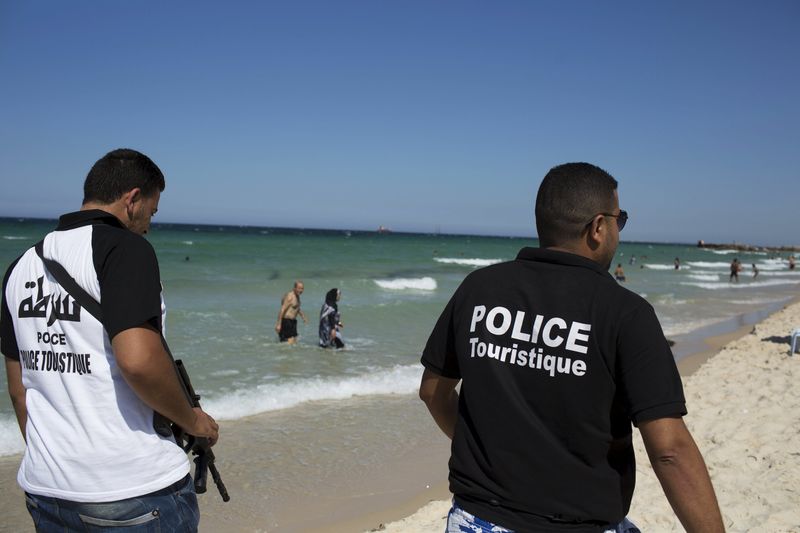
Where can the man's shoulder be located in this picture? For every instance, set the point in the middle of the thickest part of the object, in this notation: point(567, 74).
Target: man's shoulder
point(493, 270)
point(106, 238)
point(13, 265)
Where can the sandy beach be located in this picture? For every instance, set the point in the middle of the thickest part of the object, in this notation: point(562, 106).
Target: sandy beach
point(744, 411)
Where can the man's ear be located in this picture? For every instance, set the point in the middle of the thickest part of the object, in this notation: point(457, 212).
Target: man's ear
point(595, 232)
point(135, 194)
point(129, 199)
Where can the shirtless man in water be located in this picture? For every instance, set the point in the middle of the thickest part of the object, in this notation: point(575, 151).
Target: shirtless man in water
point(286, 327)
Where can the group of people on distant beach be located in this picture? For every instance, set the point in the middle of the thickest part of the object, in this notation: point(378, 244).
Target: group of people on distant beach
point(330, 321)
point(537, 370)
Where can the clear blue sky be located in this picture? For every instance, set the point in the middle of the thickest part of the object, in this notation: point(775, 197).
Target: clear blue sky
point(420, 116)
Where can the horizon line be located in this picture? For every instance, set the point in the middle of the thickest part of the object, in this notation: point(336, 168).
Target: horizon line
point(391, 232)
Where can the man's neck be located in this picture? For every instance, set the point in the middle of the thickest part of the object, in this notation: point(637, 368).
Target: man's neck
point(112, 209)
point(577, 249)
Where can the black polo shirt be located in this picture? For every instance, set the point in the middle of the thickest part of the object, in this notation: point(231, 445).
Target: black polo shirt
point(556, 361)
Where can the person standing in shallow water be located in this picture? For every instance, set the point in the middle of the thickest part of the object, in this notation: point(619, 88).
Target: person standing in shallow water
point(286, 326)
point(735, 268)
point(619, 274)
point(330, 321)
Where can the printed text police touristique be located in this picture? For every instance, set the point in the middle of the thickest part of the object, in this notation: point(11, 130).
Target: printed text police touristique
point(553, 332)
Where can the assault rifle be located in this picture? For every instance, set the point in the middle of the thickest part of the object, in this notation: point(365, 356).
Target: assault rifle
point(204, 457)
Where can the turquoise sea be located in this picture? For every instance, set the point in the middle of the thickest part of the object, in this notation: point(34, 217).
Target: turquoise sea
point(223, 286)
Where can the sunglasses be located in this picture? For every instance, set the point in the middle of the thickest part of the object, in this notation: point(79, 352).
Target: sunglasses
point(622, 218)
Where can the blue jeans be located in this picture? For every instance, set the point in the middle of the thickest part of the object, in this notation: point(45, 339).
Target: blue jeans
point(460, 521)
point(173, 508)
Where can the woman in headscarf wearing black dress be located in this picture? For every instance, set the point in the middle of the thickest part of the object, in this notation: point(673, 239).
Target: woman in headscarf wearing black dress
point(330, 321)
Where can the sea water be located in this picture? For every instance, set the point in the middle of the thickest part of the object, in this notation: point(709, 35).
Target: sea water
point(223, 285)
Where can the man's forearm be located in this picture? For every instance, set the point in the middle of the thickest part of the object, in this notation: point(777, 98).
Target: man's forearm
point(684, 477)
point(688, 488)
point(440, 396)
point(445, 413)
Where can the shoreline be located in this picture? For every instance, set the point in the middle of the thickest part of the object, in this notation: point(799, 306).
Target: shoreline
point(372, 485)
point(693, 349)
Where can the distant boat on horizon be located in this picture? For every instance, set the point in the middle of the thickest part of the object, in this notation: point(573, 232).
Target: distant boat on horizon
point(383, 229)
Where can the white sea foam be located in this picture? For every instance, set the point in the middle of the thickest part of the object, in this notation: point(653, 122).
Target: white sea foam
point(14, 238)
point(723, 252)
point(679, 327)
point(361, 342)
point(705, 277)
point(771, 273)
point(473, 262)
point(207, 314)
point(755, 301)
point(401, 379)
point(188, 242)
point(669, 299)
point(774, 264)
point(660, 266)
point(710, 264)
point(741, 285)
point(225, 373)
point(400, 284)
point(11, 442)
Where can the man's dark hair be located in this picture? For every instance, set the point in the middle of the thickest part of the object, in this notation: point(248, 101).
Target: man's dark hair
point(118, 172)
point(569, 196)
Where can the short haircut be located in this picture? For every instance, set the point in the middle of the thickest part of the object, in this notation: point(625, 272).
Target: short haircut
point(569, 196)
point(118, 172)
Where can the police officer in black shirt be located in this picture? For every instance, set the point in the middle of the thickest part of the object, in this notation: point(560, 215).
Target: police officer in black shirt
point(557, 361)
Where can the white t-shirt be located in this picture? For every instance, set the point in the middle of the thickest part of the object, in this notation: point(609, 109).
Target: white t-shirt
point(89, 437)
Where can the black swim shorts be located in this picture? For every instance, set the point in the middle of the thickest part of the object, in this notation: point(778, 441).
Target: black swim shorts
point(288, 329)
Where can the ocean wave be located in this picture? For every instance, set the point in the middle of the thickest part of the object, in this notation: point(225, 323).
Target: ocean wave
point(709, 264)
point(742, 285)
point(473, 262)
point(772, 273)
point(755, 301)
point(399, 284)
point(401, 379)
point(669, 299)
point(225, 373)
point(14, 238)
point(657, 266)
point(723, 252)
point(774, 265)
point(205, 314)
point(187, 242)
point(11, 442)
point(705, 277)
point(361, 342)
point(680, 327)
